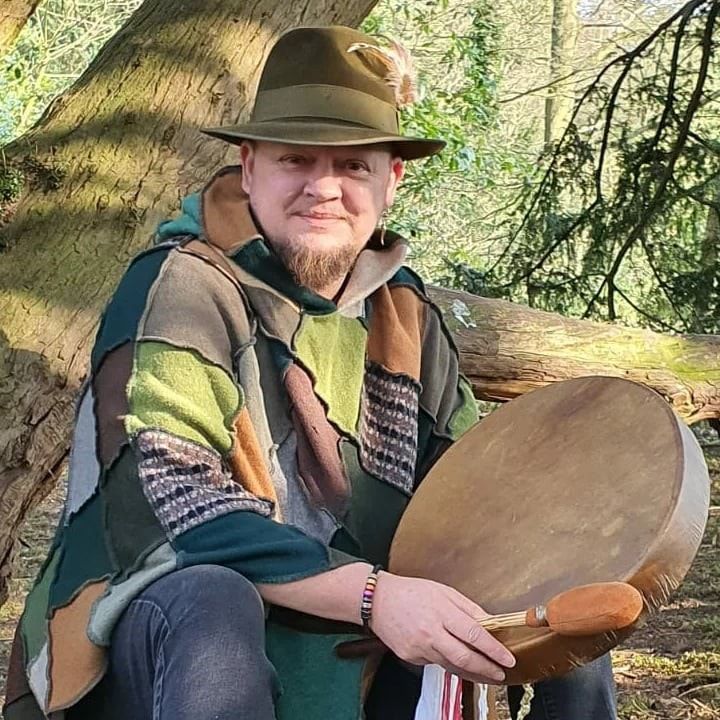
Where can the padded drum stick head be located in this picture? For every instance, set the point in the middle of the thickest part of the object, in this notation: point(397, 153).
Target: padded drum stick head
point(594, 608)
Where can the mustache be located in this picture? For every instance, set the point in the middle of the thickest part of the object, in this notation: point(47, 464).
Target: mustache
point(320, 213)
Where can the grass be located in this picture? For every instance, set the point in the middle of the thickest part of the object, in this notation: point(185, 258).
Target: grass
point(668, 670)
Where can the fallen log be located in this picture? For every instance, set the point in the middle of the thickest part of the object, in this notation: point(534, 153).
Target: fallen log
point(508, 349)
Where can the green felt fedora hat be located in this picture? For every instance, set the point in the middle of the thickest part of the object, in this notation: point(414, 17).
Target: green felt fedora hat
point(326, 86)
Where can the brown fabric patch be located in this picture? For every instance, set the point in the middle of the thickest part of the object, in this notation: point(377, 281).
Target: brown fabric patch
point(75, 662)
point(16, 682)
point(318, 454)
point(226, 211)
point(246, 459)
point(396, 328)
point(279, 317)
point(111, 401)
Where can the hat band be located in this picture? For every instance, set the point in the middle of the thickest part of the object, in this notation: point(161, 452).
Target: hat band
point(332, 102)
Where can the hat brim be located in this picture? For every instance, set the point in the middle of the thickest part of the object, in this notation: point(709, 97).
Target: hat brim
point(312, 132)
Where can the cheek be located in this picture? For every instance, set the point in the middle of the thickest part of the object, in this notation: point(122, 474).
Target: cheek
point(365, 203)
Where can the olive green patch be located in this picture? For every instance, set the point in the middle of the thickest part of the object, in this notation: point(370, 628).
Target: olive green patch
point(175, 390)
point(466, 415)
point(332, 347)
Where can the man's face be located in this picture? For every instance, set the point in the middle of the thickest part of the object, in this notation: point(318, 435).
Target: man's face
point(318, 206)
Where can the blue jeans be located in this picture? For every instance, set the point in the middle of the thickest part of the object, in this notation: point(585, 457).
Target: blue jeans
point(192, 647)
point(586, 693)
point(189, 647)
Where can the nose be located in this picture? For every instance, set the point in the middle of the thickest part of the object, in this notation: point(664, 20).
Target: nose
point(323, 184)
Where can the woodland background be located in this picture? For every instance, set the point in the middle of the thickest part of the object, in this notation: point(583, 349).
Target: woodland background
point(582, 177)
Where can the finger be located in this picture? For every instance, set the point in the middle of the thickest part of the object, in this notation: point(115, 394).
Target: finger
point(468, 606)
point(465, 660)
point(470, 632)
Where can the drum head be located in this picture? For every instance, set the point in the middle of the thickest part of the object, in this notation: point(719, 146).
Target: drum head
point(586, 480)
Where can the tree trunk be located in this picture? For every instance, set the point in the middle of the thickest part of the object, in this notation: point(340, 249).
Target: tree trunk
point(508, 349)
point(106, 162)
point(13, 16)
point(563, 41)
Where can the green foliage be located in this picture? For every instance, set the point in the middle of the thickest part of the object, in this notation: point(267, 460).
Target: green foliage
point(56, 45)
point(458, 55)
point(11, 183)
point(618, 221)
point(618, 227)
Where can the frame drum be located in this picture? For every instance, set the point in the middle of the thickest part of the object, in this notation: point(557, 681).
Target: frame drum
point(586, 480)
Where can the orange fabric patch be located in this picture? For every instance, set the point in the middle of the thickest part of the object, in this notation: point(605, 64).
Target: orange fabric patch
point(226, 211)
point(75, 663)
point(246, 459)
point(396, 328)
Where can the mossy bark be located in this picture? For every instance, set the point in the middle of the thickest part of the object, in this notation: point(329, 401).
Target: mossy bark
point(105, 163)
point(507, 350)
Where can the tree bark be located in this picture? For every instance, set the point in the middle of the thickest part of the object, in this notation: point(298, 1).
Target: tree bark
point(507, 350)
point(105, 163)
point(563, 42)
point(13, 16)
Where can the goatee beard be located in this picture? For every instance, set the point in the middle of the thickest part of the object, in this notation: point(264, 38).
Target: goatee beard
point(316, 270)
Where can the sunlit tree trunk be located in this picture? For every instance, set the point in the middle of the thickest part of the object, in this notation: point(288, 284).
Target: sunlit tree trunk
point(563, 41)
point(108, 160)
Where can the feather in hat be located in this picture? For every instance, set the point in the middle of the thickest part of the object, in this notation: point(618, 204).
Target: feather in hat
point(397, 65)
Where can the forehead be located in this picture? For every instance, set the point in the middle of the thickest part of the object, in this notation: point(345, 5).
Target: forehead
point(374, 151)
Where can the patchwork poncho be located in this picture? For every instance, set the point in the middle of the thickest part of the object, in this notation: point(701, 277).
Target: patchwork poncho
point(233, 417)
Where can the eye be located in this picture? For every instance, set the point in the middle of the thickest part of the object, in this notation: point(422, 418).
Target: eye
point(357, 166)
point(292, 160)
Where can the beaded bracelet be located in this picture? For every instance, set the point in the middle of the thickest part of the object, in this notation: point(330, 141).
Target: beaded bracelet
point(367, 598)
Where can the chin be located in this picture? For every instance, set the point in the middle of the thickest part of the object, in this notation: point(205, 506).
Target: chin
point(319, 240)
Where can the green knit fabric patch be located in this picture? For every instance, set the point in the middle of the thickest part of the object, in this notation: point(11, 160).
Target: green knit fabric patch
point(332, 347)
point(316, 685)
point(466, 414)
point(34, 623)
point(177, 391)
point(85, 557)
point(132, 526)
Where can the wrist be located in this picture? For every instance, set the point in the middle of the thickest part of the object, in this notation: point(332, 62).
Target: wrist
point(368, 597)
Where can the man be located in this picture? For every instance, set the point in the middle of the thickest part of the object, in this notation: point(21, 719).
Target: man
point(268, 386)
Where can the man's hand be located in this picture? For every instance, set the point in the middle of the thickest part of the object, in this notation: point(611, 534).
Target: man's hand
point(425, 622)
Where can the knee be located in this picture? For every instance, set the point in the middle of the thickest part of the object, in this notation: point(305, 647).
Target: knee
point(210, 596)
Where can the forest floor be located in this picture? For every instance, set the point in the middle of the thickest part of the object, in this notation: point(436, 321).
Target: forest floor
point(668, 670)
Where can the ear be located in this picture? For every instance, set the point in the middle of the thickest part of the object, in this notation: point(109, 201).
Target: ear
point(247, 160)
point(397, 171)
